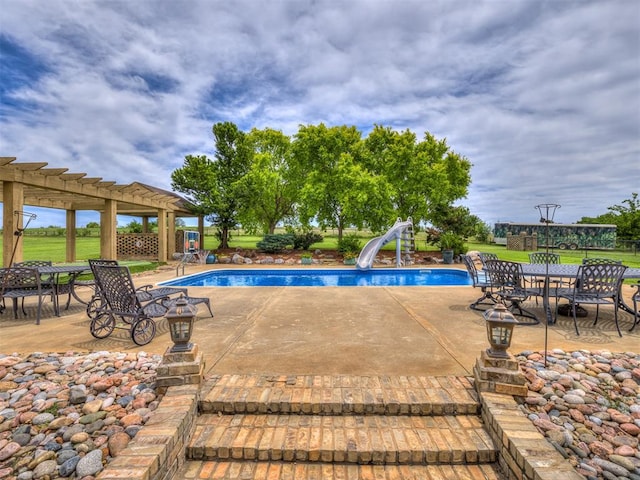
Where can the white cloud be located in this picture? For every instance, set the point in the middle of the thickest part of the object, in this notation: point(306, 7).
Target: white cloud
point(542, 97)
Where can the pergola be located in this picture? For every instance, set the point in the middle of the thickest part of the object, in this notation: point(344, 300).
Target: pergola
point(32, 184)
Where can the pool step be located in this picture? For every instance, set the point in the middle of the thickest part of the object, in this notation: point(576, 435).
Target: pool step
point(342, 426)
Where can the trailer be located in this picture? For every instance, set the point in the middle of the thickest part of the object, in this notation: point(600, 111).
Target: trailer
point(564, 236)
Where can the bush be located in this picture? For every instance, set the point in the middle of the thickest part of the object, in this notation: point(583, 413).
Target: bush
point(275, 243)
point(302, 241)
point(349, 243)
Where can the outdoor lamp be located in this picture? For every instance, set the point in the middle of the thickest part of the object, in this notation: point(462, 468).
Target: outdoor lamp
point(180, 318)
point(500, 323)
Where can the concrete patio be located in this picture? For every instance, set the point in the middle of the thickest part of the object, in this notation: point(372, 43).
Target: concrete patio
point(330, 330)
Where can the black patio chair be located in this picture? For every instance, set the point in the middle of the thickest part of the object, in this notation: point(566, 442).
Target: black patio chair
point(484, 256)
point(599, 261)
point(145, 293)
point(121, 307)
point(21, 282)
point(507, 283)
point(480, 280)
point(47, 281)
point(544, 258)
point(636, 300)
point(596, 284)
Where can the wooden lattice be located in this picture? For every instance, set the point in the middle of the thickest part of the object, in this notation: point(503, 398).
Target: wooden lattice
point(522, 242)
point(132, 246)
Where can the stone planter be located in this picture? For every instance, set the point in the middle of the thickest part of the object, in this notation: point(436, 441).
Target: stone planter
point(349, 261)
point(306, 261)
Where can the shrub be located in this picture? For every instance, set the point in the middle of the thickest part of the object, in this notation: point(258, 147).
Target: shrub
point(349, 243)
point(275, 243)
point(302, 241)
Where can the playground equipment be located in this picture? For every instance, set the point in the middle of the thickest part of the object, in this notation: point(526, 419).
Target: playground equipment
point(401, 232)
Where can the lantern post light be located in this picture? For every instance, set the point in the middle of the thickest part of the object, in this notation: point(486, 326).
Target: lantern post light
point(180, 318)
point(500, 322)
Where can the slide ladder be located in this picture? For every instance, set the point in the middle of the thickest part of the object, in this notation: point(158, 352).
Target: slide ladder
point(401, 232)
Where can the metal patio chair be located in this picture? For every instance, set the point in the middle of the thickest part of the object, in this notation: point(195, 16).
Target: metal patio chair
point(598, 261)
point(544, 258)
point(121, 307)
point(596, 284)
point(21, 282)
point(480, 280)
point(145, 293)
point(507, 283)
point(484, 256)
point(636, 302)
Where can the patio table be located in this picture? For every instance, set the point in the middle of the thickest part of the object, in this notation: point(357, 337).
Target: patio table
point(570, 271)
point(74, 271)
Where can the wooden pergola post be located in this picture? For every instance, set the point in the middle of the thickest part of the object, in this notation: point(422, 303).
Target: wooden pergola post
point(71, 236)
point(12, 201)
point(171, 234)
point(108, 230)
point(162, 235)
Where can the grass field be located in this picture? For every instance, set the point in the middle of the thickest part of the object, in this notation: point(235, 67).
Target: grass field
point(53, 248)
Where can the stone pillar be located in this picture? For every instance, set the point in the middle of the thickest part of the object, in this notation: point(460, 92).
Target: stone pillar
point(499, 375)
point(181, 368)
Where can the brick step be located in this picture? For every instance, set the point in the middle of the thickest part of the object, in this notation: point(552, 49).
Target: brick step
point(340, 395)
point(361, 439)
point(232, 470)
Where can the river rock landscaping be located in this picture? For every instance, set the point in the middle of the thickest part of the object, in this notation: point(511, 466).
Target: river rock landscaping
point(66, 415)
point(587, 404)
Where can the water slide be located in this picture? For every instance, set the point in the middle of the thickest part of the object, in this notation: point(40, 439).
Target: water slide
point(373, 246)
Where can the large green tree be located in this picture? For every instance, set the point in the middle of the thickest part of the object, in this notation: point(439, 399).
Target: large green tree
point(625, 217)
point(339, 190)
point(426, 177)
point(270, 189)
point(212, 186)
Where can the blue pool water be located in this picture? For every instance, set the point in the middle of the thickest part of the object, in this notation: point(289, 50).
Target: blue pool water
point(396, 277)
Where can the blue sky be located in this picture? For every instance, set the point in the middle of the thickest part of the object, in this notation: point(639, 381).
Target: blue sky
point(542, 97)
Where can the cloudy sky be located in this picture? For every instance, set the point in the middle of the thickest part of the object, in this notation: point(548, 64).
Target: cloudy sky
point(542, 97)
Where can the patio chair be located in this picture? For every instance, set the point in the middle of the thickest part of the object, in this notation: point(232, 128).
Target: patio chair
point(47, 281)
point(636, 300)
point(596, 284)
point(121, 307)
point(480, 280)
point(145, 293)
point(96, 299)
point(484, 256)
point(507, 283)
point(21, 282)
point(544, 258)
point(598, 261)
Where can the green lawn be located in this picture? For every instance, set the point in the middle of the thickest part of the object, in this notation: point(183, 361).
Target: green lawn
point(53, 248)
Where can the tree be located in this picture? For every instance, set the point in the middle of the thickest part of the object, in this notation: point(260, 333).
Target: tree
point(425, 176)
point(625, 217)
point(93, 225)
point(212, 186)
point(339, 191)
point(134, 227)
point(271, 187)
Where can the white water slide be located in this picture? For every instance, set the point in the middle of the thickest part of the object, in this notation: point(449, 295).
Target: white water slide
point(373, 246)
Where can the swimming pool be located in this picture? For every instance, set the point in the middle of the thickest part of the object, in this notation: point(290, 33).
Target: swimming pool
point(312, 277)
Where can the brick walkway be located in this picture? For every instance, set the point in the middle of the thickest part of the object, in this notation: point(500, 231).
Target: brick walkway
point(306, 427)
